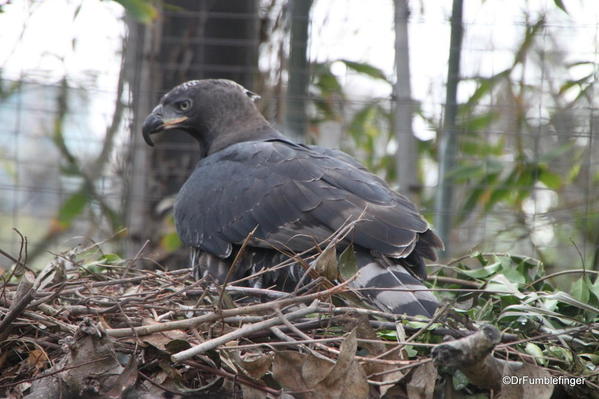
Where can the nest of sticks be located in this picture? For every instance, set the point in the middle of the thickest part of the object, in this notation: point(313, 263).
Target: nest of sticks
point(102, 328)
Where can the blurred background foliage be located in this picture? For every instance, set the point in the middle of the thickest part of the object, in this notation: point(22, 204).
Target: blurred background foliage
point(525, 174)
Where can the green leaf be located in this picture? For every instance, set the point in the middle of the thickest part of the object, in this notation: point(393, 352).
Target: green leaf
point(474, 144)
point(72, 207)
point(565, 298)
point(560, 4)
point(70, 170)
point(366, 69)
point(514, 275)
point(479, 194)
point(364, 127)
point(556, 152)
point(111, 259)
point(485, 86)
point(569, 84)
point(387, 334)
point(560, 353)
point(498, 194)
point(550, 179)
point(325, 80)
point(536, 351)
point(581, 289)
point(171, 242)
point(592, 357)
point(482, 272)
point(595, 288)
point(459, 380)
point(465, 172)
point(480, 122)
point(142, 10)
point(574, 171)
point(416, 325)
point(348, 264)
point(529, 36)
point(578, 63)
point(500, 282)
point(471, 202)
point(412, 353)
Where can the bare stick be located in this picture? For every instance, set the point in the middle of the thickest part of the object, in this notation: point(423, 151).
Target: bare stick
point(194, 321)
point(245, 330)
point(233, 266)
point(23, 297)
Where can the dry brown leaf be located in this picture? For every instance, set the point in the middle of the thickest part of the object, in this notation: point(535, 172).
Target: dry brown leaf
point(319, 379)
point(161, 340)
point(124, 381)
point(287, 369)
point(326, 263)
point(254, 365)
point(365, 331)
point(37, 359)
point(422, 383)
point(252, 393)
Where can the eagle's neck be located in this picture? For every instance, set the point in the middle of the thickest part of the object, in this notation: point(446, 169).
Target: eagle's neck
point(249, 130)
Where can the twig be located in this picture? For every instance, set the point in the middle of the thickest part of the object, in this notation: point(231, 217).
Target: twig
point(452, 280)
point(23, 296)
point(335, 351)
point(370, 312)
point(131, 261)
point(291, 340)
point(151, 381)
point(194, 321)
point(233, 266)
point(247, 329)
point(436, 317)
point(235, 377)
point(574, 271)
point(395, 381)
point(12, 258)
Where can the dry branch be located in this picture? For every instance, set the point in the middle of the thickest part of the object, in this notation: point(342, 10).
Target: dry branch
point(243, 331)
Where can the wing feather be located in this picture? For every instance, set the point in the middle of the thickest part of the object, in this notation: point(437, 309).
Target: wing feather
point(296, 196)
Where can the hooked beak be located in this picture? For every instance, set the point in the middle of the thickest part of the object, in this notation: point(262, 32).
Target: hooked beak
point(156, 122)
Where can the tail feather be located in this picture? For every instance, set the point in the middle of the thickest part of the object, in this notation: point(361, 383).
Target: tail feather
point(386, 284)
point(406, 294)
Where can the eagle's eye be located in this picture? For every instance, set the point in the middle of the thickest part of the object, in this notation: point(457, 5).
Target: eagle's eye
point(184, 105)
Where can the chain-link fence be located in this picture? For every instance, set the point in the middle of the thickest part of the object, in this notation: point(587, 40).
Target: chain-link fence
point(73, 166)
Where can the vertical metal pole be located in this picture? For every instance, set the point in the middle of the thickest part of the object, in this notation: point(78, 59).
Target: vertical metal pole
point(297, 87)
point(448, 146)
point(406, 156)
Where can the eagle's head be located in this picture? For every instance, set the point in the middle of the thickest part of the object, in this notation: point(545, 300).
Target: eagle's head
point(203, 108)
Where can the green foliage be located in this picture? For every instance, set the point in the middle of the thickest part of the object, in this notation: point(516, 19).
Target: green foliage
point(504, 167)
point(366, 69)
point(504, 157)
point(71, 208)
point(142, 10)
point(560, 4)
point(370, 125)
point(517, 296)
point(171, 241)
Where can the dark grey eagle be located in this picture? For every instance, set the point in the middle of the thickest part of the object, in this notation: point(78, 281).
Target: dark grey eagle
point(294, 195)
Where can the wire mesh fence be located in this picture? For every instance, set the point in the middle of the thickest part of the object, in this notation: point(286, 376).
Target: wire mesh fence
point(527, 162)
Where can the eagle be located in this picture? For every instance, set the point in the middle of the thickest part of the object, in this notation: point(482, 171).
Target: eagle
point(252, 181)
